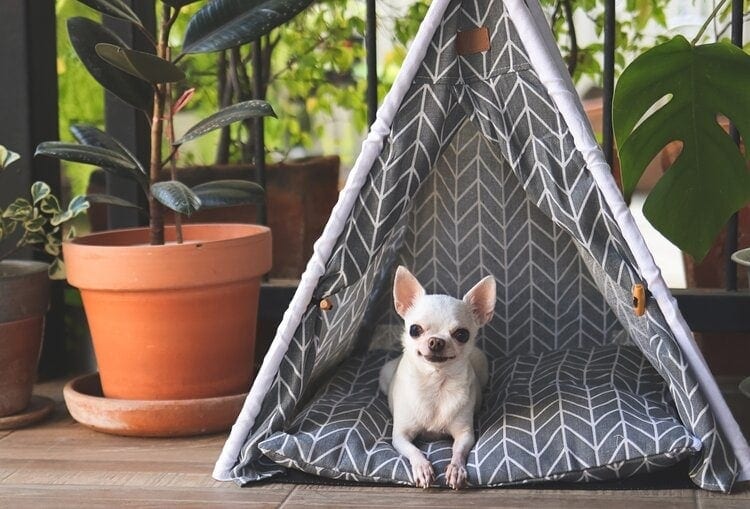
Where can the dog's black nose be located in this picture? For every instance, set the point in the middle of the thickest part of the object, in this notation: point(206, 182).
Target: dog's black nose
point(436, 344)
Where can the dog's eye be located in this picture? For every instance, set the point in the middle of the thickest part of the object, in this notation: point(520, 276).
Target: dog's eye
point(461, 335)
point(415, 331)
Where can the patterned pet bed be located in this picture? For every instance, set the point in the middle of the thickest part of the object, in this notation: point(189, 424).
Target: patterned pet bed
point(576, 415)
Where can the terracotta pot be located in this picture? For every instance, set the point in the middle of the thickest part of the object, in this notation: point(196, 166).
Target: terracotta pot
point(24, 298)
point(175, 321)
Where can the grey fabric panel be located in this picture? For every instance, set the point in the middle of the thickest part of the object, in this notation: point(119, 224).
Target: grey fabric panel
point(583, 414)
point(278, 407)
point(426, 122)
point(472, 218)
point(442, 64)
point(716, 467)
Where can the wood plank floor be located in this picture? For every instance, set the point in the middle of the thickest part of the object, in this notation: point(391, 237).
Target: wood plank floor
point(61, 464)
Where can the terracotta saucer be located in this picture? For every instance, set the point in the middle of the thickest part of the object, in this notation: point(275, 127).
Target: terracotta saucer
point(39, 408)
point(155, 418)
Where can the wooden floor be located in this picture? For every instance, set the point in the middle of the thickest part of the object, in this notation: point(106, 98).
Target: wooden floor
point(61, 464)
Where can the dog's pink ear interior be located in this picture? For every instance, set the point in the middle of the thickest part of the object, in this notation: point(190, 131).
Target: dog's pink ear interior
point(481, 298)
point(406, 290)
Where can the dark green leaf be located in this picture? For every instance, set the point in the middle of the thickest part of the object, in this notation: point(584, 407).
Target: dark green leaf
point(708, 181)
point(18, 210)
point(56, 269)
point(115, 9)
point(95, 137)
point(84, 36)
point(226, 116)
point(108, 199)
point(77, 206)
point(35, 224)
point(224, 24)
point(142, 65)
point(225, 193)
point(176, 196)
point(109, 160)
point(50, 205)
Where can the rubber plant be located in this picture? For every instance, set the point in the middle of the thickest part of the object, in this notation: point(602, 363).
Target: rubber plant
point(147, 81)
point(677, 91)
point(36, 221)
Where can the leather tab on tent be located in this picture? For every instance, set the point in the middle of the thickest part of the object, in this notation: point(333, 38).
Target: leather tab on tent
point(473, 41)
point(326, 305)
point(639, 299)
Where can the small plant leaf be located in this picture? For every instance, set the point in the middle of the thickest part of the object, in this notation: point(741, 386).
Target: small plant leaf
point(109, 160)
point(56, 270)
point(86, 134)
point(7, 157)
point(84, 35)
point(224, 24)
point(35, 224)
point(39, 191)
point(114, 8)
point(77, 206)
point(226, 116)
point(18, 210)
point(145, 66)
point(226, 193)
point(709, 180)
point(50, 205)
point(176, 196)
point(108, 199)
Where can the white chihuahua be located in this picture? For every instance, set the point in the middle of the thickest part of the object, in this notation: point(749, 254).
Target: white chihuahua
point(435, 386)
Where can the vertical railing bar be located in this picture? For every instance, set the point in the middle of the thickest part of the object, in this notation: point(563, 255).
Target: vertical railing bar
point(372, 61)
point(258, 129)
point(730, 243)
point(608, 84)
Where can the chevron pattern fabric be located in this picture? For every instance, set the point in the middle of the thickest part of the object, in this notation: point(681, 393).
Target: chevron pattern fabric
point(581, 414)
point(480, 175)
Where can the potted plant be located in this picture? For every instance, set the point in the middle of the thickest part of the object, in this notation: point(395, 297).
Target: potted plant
point(172, 309)
point(28, 222)
point(681, 91)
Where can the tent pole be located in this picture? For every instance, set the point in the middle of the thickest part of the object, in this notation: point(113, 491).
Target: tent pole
point(608, 80)
point(730, 243)
point(372, 62)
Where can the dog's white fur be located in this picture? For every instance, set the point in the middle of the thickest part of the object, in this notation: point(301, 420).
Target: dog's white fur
point(436, 394)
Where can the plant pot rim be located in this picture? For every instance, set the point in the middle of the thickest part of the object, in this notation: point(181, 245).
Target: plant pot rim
point(24, 290)
point(121, 260)
point(14, 269)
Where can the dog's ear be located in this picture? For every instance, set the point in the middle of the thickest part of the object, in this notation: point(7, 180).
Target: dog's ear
point(406, 290)
point(481, 298)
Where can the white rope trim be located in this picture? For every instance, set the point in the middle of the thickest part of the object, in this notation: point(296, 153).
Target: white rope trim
point(323, 248)
point(542, 51)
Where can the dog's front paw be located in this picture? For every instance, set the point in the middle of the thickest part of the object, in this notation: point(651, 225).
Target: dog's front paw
point(455, 476)
point(423, 473)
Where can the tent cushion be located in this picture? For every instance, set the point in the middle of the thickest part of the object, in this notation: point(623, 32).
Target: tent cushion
point(577, 415)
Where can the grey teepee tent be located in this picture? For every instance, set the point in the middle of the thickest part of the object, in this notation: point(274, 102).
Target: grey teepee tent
point(481, 162)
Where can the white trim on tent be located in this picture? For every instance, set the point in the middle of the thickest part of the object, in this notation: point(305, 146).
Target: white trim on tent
point(324, 246)
point(529, 21)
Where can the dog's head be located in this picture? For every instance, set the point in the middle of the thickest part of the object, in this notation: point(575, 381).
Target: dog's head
point(438, 327)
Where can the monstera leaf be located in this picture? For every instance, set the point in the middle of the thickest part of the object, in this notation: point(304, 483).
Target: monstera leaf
point(224, 24)
point(674, 92)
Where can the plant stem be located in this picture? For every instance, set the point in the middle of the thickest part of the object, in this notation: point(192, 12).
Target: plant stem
point(573, 56)
point(710, 18)
point(156, 211)
point(173, 155)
